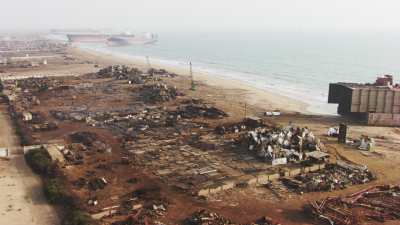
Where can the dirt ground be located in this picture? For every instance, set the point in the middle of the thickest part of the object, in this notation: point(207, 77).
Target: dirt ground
point(240, 205)
point(21, 198)
point(245, 206)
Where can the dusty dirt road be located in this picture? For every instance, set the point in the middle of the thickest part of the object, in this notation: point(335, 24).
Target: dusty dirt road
point(21, 197)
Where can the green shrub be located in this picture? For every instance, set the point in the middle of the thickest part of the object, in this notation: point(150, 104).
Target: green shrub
point(78, 217)
point(56, 194)
point(23, 139)
point(40, 162)
point(54, 191)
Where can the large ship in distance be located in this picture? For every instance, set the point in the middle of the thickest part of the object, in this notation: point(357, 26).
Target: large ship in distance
point(87, 38)
point(113, 39)
point(130, 39)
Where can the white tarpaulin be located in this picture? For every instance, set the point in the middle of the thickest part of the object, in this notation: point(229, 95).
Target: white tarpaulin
point(3, 152)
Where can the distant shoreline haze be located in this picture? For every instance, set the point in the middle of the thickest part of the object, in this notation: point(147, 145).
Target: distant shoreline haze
point(295, 64)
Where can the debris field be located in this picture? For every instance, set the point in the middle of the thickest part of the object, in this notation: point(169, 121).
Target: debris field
point(132, 144)
point(378, 203)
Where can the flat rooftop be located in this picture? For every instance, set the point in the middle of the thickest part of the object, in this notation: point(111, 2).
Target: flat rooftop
point(368, 86)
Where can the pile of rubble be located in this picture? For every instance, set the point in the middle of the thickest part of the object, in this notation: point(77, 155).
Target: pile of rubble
point(36, 84)
point(378, 203)
point(204, 217)
point(90, 140)
point(161, 72)
point(280, 146)
point(93, 118)
point(332, 177)
point(118, 72)
point(134, 75)
point(37, 121)
point(127, 123)
point(158, 92)
point(97, 183)
point(364, 143)
point(84, 137)
point(200, 110)
point(143, 206)
point(73, 153)
point(45, 126)
point(32, 117)
point(73, 116)
point(247, 124)
point(122, 72)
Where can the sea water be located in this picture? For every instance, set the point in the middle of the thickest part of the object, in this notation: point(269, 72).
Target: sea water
point(299, 65)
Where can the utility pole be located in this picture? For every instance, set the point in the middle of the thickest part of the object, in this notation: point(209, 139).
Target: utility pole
point(193, 85)
point(149, 70)
point(245, 110)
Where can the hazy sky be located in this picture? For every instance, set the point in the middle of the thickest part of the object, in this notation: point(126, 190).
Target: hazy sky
point(202, 14)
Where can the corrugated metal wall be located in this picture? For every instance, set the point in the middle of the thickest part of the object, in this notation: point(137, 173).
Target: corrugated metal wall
point(383, 119)
point(375, 100)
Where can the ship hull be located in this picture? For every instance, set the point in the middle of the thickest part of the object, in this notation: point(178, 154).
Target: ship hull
point(87, 38)
point(113, 40)
point(130, 40)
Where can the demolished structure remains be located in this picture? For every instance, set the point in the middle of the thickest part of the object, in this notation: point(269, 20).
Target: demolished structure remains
point(333, 177)
point(378, 203)
point(128, 143)
point(280, 146)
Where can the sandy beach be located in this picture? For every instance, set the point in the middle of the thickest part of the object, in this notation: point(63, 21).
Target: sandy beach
point(253, 96)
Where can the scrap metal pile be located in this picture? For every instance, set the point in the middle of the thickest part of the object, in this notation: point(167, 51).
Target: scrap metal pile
point(200, 110)
point(118, 72)
point(159, 92)
point(247, 124)
point(127, 123)
point(378, 203)
point(35, 121)
point(145, 206)
point(122, 72)
point(162, 72)
point(26, 91)
point(364, 143)
point(36, 84)
point(134, 75)
point(204, 217)
point(280, 146)
point(332, 177)
point(78, 116)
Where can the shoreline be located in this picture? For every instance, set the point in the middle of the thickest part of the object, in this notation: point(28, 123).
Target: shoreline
point(267, 100)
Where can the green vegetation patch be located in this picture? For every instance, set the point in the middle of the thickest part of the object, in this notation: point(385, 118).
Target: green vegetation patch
point(40, 162)
point(78, 217)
